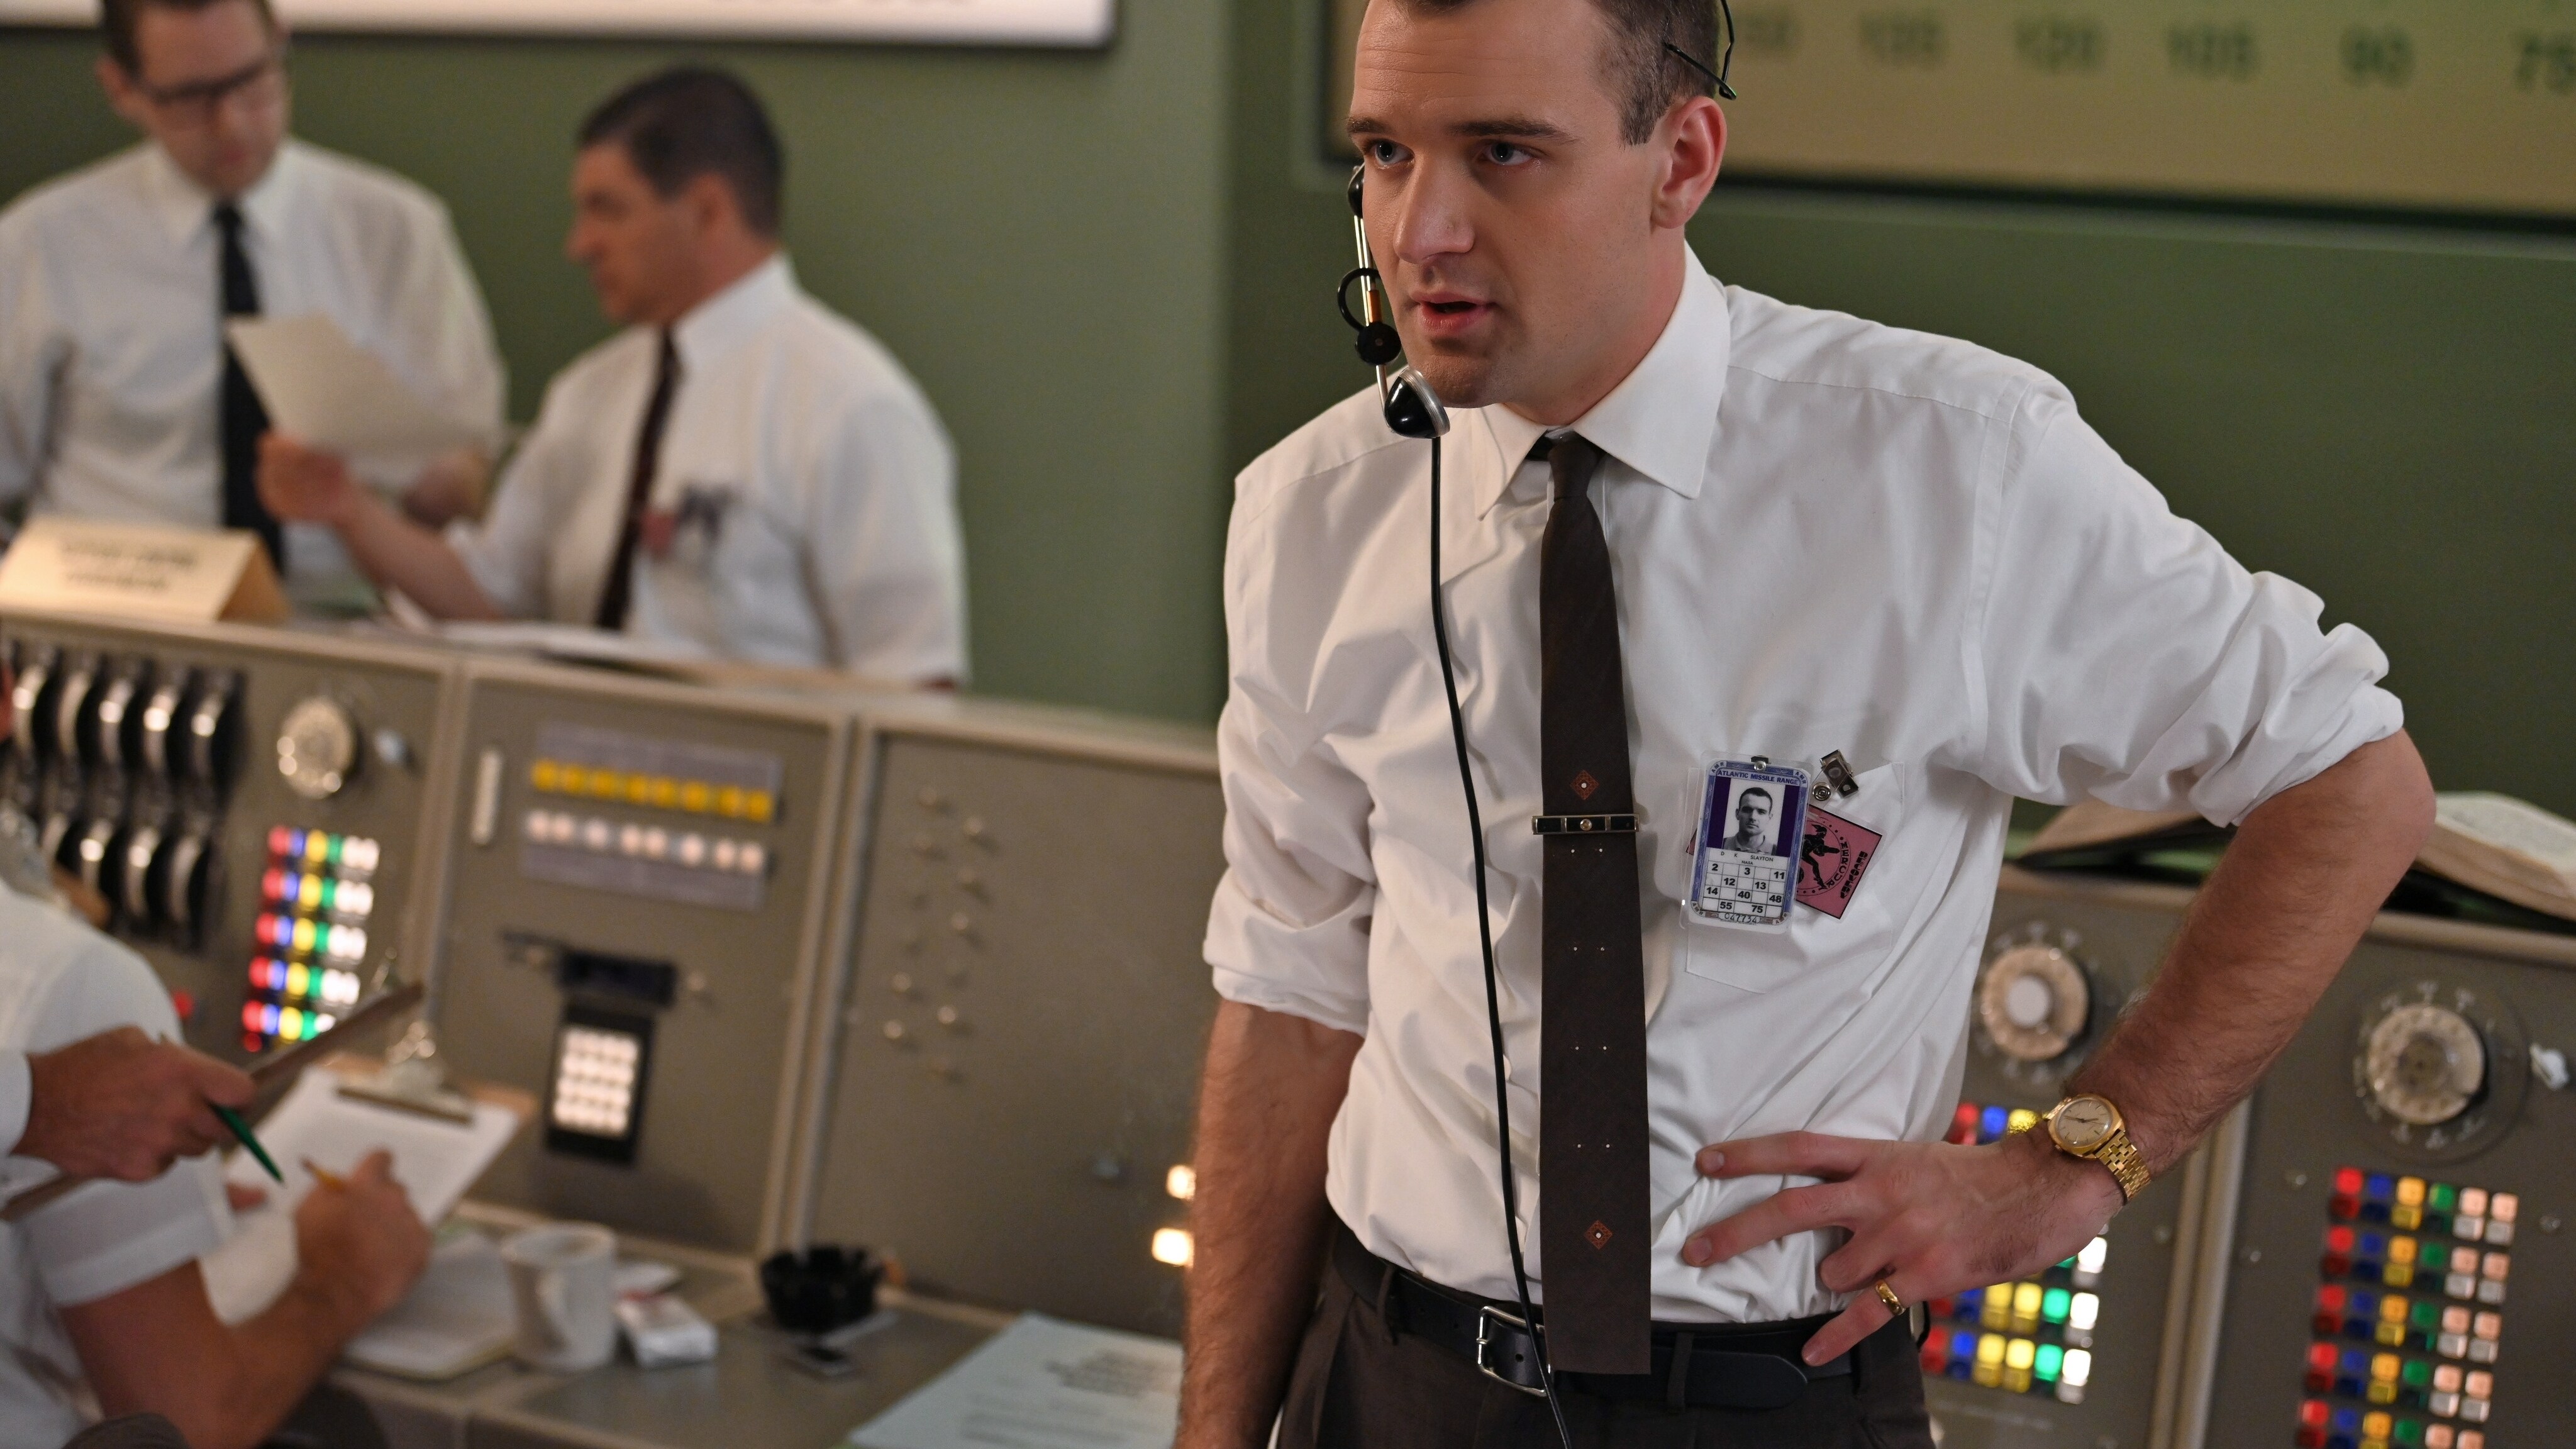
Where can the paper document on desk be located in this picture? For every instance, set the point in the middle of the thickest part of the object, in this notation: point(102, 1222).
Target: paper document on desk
point(322, 389)
point(1042, 1384)
point(459, 1316)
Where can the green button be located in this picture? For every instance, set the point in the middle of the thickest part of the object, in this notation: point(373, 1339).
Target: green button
point(2409, 1431)
point(2052, 1307)
point(2443, 1198)
point(2044, 1367)
point(2425, 1314)
point(2416, 1374)
point(337, 842)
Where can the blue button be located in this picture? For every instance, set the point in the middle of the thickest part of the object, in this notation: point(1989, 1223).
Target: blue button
point(2380, 1187)
point(1991, 1126)
point(2347, 1421)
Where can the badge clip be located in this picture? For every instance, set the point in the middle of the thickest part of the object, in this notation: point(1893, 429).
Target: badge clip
point(1838, 774)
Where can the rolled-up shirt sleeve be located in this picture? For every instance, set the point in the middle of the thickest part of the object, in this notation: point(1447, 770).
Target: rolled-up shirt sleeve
point(2123, 655)
point(1289, 929)
point(506, 549)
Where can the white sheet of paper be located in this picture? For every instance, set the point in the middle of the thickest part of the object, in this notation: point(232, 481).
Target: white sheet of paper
point(323, 389)
point(434, 1159)
point(458, 1316)
point(1042, 1383)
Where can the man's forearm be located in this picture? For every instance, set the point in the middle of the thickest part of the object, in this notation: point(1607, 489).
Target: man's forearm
point(2291, 898)
point(158, 1348)
point(1266, 1105)
point(401, 554)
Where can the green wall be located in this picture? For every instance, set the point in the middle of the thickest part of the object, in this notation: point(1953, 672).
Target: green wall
point(1039, 235)
point(2385, 413)
point(1112, 273)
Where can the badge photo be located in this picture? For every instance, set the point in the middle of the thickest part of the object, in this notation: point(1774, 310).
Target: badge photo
point(1752, 826)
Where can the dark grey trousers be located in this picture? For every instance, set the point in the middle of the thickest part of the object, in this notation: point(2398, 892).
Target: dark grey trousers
point(1356, 1383)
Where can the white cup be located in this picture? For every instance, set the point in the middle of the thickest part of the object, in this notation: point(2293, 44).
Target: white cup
point(560, 1276)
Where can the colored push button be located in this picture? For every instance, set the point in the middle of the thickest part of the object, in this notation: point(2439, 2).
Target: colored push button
point(2053, 1305)
point(2337, 1259)
point(1963, 1126)
point(545, 776)
point(1989, 1370)
point(1967, 1304)
point(2320, 1375)
point(1963, 1355)
point(662, 793)
point(696, 796)
point(760, 807)
point(1996, 1312)
point(2046, 1363)
point(1936, 1349)
point(2352, 1371)
point(2082, 1312)
point(2073, 1373)
point(2026, 1300)
point(2022, 1120)
point(2312, 1424)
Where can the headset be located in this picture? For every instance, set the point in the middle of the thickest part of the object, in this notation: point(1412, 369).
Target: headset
point(1412, 409)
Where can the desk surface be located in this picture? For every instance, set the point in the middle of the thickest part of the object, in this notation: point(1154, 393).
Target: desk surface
point(748, 1394)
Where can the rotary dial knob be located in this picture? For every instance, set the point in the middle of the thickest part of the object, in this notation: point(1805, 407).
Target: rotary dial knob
point(2424, 1064)
point(317, 748)
point(2034, 1002)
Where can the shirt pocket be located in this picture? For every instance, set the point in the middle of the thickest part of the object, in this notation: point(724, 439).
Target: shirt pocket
point(1815, 942)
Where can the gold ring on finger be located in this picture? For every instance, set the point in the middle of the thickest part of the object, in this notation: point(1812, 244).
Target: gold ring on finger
point(1887, 1295)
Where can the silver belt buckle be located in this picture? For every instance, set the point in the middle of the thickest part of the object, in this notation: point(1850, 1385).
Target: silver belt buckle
point(1486, 1316)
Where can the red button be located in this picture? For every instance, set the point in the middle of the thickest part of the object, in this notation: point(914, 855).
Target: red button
point(2339, 1240)
point(1936, 1350)
point(2348, 1181)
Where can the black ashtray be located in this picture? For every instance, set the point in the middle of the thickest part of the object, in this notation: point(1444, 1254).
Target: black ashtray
point(820, 1289)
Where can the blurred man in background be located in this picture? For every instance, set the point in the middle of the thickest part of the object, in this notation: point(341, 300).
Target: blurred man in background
point(118, 396)
point(741, 474)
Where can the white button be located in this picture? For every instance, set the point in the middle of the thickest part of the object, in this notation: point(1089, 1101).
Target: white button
point(2452, 1345)
point(726, 852)
point(358, 853)
point(693, 850)
point(2499, 1232)
point(595, 834)
point(657, 843)
point(2490, 1291)
point(538, 825)
point(2482, 1350)
point(630, 840)
point(2443, 1404)
point(2474, 1410)
point(2460, 1285)
point(755, 858)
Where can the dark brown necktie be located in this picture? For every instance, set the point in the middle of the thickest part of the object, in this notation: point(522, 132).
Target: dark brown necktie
point(618, 592)
point(1593, 1191)
point(240, 414)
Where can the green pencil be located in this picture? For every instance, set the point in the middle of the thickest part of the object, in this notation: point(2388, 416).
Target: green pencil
point(241, 1129)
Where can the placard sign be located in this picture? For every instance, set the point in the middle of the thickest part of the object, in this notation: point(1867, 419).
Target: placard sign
point(2439, 105)
point(140, 570)
point(969, 22)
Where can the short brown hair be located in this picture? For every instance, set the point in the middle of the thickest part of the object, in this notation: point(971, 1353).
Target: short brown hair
point(1647, 79)
point(117, 20)
point(692, 121)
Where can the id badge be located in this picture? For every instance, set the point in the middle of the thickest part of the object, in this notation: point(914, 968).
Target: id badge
point(1752, 816)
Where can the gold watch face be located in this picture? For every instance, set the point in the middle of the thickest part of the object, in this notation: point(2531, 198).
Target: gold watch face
point(2082, 1124)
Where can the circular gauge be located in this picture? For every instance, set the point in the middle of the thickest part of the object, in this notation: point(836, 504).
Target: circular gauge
point(2439, 1067)
point(317, 748)
point(2424, 1063)
point(2034, 1002)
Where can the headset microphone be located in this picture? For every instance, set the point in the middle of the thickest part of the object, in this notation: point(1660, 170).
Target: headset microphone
point(1412, 409)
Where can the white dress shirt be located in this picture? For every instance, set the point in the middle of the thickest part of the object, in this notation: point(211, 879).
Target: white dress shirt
point(60, 981)
point(111, 353)
point(1827, 535)
point(809, 489)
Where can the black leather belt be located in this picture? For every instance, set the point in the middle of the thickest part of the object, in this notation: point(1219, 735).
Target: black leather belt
point(1700, 1365)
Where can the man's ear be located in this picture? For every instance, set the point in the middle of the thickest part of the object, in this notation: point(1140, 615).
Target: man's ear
point(712, 208)
point(1693, 138)
point(123, 95)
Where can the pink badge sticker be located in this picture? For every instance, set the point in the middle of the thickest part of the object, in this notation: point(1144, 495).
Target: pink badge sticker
point(1831, 861)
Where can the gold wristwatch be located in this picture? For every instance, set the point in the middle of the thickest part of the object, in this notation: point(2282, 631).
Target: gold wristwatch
point(2088, 1126)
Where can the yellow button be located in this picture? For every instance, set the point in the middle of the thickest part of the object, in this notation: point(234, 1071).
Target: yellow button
point(317, 846)
point(664, 793)
point(572, 780)
point(696, 796)
point(309, 894)
point(2376, 1426)
point(2022, 1120)
point(2410, 1191)
point(2393, 1308)
point(2025, 1307)
point(545, 775)
point(639, 789)
point(2016, 1380)
point(2019, 1353)
point(2401, 1249)
point(2384, 1366)
point(730, 802)
point(2390, 1335)
point(2380, 1393)
point(760, 807)
point(607, 784)
point(304, 937)
point(2406, 1217)
point(2397, 1275)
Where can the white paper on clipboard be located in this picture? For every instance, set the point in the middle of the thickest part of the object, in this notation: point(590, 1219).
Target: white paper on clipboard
point(326, 391)
point(435, 1159)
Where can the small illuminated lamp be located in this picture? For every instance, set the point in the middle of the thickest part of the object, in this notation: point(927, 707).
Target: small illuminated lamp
point(1173, 1246)
point(2094, 1254)
point(1182, 1182)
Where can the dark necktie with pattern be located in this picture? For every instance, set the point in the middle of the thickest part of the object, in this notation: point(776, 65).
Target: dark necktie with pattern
point(616, 595)
point(243, 419)
point(1593, 1190)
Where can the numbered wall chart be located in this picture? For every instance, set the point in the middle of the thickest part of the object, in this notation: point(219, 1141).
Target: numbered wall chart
point(2452, 105)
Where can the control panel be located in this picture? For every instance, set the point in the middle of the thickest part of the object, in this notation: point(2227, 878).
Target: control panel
point(1019, 1036)
point(2080, 1354)
point(249, 805)
point(2402, 1273)
point(641, 889)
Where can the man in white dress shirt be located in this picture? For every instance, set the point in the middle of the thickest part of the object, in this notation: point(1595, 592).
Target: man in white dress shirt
point(740, 474)
point(118, 398)
point(1650, 481)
